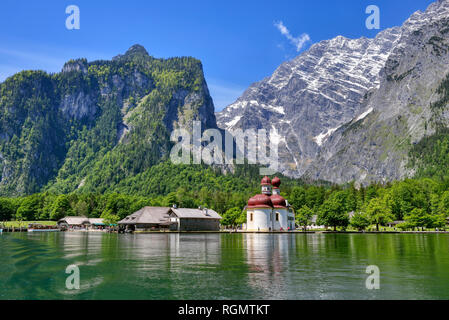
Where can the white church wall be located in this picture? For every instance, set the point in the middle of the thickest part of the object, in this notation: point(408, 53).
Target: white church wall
point(260, 219)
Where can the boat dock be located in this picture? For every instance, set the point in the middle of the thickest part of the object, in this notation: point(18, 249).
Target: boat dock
point(13, 229)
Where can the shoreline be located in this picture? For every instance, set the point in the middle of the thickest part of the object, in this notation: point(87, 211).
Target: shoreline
point(297, 232)
point(243, 232)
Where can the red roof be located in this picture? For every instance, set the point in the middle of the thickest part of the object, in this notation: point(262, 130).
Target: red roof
point(265, 181)
point(276, 182)
point(278, 201)
point(260, 201)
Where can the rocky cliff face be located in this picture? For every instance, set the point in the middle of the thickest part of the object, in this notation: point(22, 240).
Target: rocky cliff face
point(351, 109)
point(96, 123)
point(409, 105)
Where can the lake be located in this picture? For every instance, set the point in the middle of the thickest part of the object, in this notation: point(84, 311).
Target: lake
point(223, 266)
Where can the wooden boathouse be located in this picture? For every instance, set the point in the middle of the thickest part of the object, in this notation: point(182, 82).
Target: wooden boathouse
point(171, 219)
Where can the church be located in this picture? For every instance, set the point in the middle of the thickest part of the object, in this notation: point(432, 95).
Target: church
point(269, 211)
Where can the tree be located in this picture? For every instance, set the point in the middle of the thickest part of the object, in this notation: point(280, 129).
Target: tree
point(297, 197)
point(29, 209)
point(82, 209)
point(378, 212)
point(352, 199)
point(360, 221)
point(61, 208)
point(304, 216)
point(314, 196)
point(439, 221)
point(231, 216)
point(333, 211)
point(110, 218)
point(7, 209)
point(420, 218)
point(242, 218)
point(170, 199)
point(444, 204)
point(204, 196)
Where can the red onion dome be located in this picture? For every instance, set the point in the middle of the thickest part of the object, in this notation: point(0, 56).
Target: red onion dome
point(260, 201)
point(278, 201)
point(265, 181)
point(276, 182)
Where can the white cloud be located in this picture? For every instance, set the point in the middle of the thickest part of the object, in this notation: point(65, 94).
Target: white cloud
point(298, 42)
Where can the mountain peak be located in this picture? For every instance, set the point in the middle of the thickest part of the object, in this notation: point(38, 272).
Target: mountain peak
point(308, 98)
point(75, 65)
point(136, 50)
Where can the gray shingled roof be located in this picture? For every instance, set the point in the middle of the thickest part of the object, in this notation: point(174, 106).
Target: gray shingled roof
point(96, 220)
point(196, 213)
point(81, 220)
point(148, 215)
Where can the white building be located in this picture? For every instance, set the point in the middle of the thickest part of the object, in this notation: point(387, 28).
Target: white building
point(269, 211)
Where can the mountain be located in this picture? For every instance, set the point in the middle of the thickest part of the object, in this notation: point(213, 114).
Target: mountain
point(307, 98)
point(346, 110)
point(357, 109)
point(406, 116)
point(97, 123)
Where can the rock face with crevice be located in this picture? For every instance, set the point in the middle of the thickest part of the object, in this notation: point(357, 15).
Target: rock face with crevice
point(410, 104)
point(350, 109)
point(307, 98)
point(96, 123)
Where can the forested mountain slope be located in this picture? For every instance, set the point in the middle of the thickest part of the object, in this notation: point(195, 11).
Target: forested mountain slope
point(96, 123)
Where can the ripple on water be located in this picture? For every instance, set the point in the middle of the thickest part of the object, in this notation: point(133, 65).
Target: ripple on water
point(223, 266)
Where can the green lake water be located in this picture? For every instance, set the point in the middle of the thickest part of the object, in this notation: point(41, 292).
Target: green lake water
point(223, 266)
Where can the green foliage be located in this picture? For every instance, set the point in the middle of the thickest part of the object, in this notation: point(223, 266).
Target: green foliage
point(8, 208)
point(422, 203)
point(298, 197)
point(109, 157)
point(311, 196)
point(61, 208)
point(379, 212)
point(420, 218)
point(30, 208)
point(360, 221)
point(304, 216)
point(65, 131)
point(334, 212)
point(430, 156)
point(242, 218)
point(110, 218)
point(443, 205)
point(231, 217)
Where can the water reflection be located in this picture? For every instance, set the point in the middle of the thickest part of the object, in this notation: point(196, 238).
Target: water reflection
point(223, 266)
point(267, 257)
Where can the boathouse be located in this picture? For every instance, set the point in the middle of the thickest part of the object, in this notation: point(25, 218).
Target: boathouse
point(147, 219)
point(201, 219)
point(171, 219)
point(78, 223)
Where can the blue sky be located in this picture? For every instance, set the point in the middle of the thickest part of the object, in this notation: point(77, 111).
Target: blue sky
point(238, 41)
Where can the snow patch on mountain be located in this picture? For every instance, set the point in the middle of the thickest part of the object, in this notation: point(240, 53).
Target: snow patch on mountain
point(307, 98)
point(364, 115)
point(319, 139)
